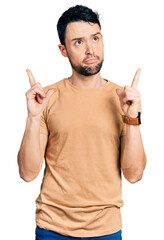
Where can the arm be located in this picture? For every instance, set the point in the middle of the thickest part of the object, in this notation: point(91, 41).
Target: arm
point(31, 153)
point(133, 157)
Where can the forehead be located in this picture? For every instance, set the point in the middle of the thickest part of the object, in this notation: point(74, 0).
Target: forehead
point(81, 29)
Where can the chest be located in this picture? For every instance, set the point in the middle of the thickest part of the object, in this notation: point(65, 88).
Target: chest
point(88, 114)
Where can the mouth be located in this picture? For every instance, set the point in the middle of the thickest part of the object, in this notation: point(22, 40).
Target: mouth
point(91, 60)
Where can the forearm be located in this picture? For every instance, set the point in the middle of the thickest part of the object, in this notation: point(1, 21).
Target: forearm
point(133, 159)
point(29, 154)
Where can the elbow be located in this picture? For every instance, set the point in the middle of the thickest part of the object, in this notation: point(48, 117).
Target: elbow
point(28, 179)
point(133, 178)
point(24, 175)
point(25, 179)
point(135, 175)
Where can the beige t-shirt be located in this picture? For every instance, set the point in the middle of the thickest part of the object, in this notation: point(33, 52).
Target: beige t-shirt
point(81, 192)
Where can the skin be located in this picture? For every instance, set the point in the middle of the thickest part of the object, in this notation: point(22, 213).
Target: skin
point(83, 41)
point(87, 44)
point(133, 157)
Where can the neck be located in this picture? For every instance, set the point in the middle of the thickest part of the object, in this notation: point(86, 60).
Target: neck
point(82, 81)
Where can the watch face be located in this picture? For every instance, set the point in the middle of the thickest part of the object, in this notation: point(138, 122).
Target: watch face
point(139, 117)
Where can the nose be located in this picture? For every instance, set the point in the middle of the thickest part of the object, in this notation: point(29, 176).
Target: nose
point(89, 49)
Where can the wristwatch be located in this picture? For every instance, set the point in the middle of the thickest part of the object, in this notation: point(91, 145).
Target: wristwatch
point(133, 121)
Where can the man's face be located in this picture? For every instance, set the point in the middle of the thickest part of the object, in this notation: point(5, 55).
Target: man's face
point(84, 47)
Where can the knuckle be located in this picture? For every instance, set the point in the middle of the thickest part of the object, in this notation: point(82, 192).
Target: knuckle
point(33, 86)
point(27, 96)
point(27, 92)
point(37, 89)
point(36, 85)
point(39, 85)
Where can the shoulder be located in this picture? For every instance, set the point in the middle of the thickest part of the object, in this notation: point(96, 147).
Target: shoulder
point(113, 97)
point(56, 85)
point(112, 86)
point(115, 85)
point(54, 97)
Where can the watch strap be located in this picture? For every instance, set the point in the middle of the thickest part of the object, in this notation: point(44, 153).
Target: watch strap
point(133, 121)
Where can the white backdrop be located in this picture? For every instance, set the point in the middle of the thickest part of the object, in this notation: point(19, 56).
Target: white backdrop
point(133, 37)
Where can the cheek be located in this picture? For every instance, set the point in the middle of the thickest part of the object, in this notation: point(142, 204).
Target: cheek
point(76, 55)
point(101, 48)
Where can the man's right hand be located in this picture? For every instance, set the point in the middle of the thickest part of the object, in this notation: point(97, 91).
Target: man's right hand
point(37, 99)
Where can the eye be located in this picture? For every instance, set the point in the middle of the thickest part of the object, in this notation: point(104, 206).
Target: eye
point(79, 42)
point(95, 39)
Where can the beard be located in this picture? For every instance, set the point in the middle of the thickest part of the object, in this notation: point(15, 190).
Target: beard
point(86, 71)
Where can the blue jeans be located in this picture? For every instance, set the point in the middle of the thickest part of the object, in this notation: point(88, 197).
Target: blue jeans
point(44, 234)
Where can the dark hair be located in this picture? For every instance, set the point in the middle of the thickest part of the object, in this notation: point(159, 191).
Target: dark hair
point(75, 14)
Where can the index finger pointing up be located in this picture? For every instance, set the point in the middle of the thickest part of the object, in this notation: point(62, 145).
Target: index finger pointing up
point(136, 78)
point(31, 77)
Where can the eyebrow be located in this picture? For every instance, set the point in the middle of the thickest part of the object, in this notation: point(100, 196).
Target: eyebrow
point(83, 37)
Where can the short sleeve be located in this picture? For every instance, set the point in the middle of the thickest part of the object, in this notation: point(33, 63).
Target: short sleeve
point(43, 124)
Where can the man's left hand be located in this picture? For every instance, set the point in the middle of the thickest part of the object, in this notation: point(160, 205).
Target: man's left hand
point(130, 99)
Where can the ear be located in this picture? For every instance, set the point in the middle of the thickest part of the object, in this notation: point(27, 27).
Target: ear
point(63, 50)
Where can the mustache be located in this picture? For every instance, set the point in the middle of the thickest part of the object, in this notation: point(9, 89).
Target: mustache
point(91, 57)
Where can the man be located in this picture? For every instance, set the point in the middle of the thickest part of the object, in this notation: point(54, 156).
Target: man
point(87, 128)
